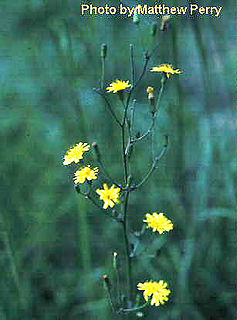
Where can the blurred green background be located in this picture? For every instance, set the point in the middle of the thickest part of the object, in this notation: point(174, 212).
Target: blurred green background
point(55, 246)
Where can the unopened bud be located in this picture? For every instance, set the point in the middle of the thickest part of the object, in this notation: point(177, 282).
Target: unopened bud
point(165, 23)
point(115, 257)
point(153, 29)
point(151, 97)
point(96, 148)
point(103, 50)
point(107, 281)
point(166, 136)
point(149, 90)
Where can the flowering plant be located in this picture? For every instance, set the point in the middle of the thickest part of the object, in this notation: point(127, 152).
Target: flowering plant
point(112, 197)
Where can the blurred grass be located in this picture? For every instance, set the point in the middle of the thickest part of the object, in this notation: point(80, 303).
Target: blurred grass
point(54, 247)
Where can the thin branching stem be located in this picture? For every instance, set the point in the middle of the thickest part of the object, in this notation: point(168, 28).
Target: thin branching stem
point(154, 164)
point(154, 116)
point(135, 308)
point(87, 196)
point(132, 64)
point(132, 117)
point(124, 121)
point(147, 133)
point(109, 106)
point(125, 153)
point(107, 175)
point(163, 80)
point(147, 58)
point(124, 156)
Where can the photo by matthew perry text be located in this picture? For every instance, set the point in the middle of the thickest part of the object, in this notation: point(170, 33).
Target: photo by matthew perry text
point(160, 9)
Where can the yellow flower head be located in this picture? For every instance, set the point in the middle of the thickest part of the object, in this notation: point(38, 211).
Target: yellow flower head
point(157, 290)
point(118, 85)
point(167, 69)
point(158, 222)
point(75, 154)
point(84, 174)
point(149, 89)
point(110, 196)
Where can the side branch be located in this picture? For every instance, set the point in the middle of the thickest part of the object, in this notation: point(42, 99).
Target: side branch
point(108, 106)
point(154, 164)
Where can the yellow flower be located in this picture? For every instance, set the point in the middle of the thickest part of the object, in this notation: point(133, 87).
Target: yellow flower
point(84, 174)
point(156, 290)
point(149, 89)
point(75, 154)
point(158, 222)
point(167, 69)
point(110, 196)
point(118, 85)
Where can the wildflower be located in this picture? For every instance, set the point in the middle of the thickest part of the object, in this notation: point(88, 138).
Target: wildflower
point(151, 98)
point(150, 91)
point(118, 85)
point(167, 69)
point(158, 222)
point(75, 154)
point(110, 196)
point(157, 290)
point(84, 174)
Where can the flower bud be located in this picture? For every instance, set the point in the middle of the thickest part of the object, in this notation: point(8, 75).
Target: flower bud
point(96, 148)
point(103, 50)
point(151, 97)
point(166, 136)
point(165, 23)
point(107, 281)
point(153, 29)
point(115, 258)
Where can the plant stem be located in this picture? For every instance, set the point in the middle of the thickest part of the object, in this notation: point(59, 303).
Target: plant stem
point(107, 175)
point(102, 72)
point(154, 164)
point(87, 196)
point(124, 156)
point(132, 64)
point(108, 106)
point(127, 248)
point(125, 213)
point(123, 141)
point(135, 308)
point(125, 231)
